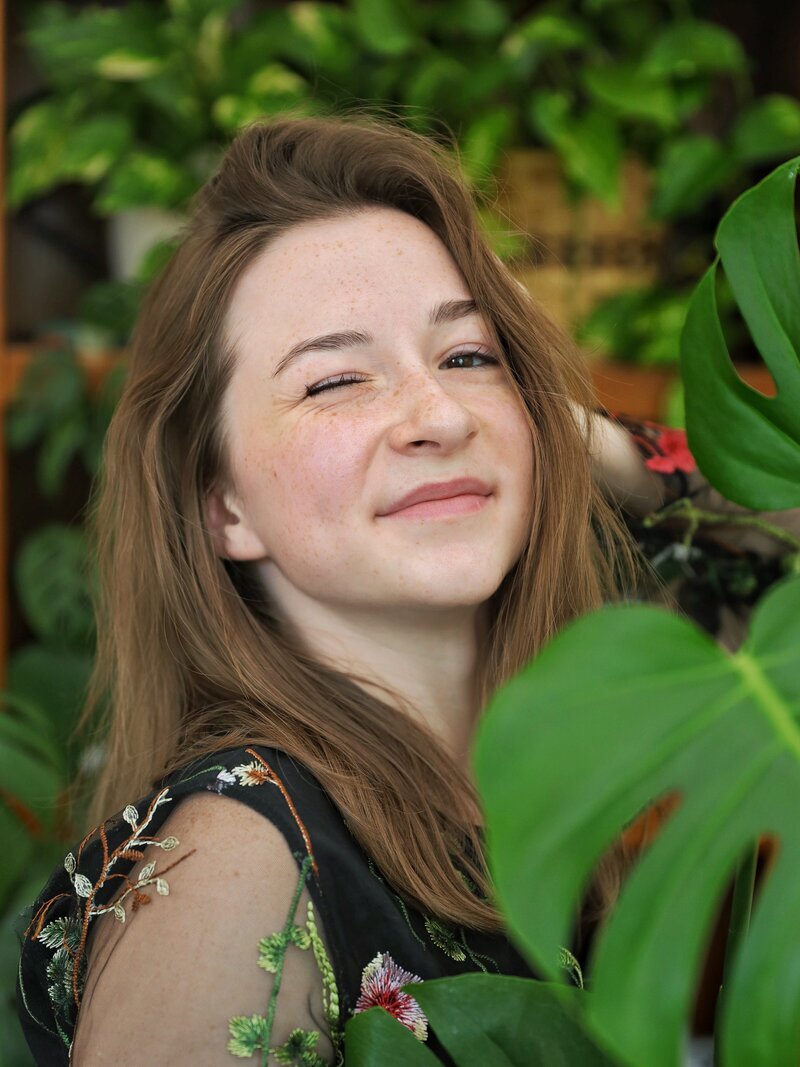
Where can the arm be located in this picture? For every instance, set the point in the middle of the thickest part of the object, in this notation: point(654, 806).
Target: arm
point(627, 466)
point(210, 959)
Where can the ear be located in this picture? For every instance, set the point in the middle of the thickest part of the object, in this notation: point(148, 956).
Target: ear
point(233, 537)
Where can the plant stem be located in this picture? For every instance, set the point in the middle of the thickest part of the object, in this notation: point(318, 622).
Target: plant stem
point(737, 928)
point(684, 508)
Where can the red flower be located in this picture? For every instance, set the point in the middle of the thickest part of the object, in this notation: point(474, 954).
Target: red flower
point(380, 986)
point(675, 454)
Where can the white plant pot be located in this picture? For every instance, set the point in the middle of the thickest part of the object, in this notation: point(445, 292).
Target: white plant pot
point(131, 234)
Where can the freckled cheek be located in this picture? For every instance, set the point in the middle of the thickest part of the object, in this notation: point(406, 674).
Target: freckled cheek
point(320, 476)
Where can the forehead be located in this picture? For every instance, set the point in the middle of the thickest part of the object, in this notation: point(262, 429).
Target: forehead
point(378, 267)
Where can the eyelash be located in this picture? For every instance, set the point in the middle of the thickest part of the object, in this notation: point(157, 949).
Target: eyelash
point(347, 379)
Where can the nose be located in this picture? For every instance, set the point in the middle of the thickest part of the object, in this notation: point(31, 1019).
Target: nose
point(427, 414)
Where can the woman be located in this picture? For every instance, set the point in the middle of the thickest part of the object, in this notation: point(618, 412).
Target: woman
point(345, 496)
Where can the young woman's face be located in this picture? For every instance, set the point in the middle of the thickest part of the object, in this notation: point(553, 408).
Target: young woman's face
point(323, 444)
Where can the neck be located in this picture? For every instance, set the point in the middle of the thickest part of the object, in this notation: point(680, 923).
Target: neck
point(427, 657)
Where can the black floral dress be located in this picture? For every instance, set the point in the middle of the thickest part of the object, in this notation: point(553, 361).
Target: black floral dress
point(375, 940)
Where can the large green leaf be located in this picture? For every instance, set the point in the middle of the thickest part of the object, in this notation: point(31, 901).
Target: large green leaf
point(144, 178)
point(631, 92)
point(624, 706)
point(485, 1020)
point(482, 1020)
point(121, 44)
point(748, 444)
point(54, 680)
point(386, 26)
point(373, 1038)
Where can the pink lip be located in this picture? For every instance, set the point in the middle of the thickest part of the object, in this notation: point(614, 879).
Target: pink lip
point(440, 491)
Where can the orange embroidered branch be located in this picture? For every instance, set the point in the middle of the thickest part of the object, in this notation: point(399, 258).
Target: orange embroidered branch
point(39, 917)
point(301, 825)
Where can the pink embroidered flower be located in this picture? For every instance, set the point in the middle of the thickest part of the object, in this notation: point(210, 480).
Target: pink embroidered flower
point(381, 983)
point(677, 456)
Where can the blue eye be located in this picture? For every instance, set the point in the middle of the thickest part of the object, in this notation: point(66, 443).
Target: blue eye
point(349, 379)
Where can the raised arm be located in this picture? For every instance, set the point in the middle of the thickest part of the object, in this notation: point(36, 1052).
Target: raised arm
point(644, 466)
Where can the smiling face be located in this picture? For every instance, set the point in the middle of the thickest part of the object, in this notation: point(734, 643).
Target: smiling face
point(322, 444)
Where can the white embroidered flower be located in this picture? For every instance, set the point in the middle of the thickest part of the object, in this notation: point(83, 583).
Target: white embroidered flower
point(381, 983)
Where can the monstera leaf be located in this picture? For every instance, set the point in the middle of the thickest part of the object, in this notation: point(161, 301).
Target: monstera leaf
point(748, 444)
point(482, 1020)
point(624, 706)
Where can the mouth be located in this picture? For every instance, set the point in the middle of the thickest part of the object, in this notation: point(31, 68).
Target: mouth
point(432, 492)
point(446, 507)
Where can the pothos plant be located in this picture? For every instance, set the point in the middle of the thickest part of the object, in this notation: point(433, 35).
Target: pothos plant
point(628, 705)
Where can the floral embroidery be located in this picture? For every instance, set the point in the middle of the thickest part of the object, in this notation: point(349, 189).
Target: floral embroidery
point(441, 933)
point(67, 935)
point(259, 773)
point(443, 937)
point(254, 1033)
point(381, 986)
point(66, 971)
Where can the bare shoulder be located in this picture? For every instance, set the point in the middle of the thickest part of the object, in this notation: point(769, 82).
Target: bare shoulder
point(163, 986)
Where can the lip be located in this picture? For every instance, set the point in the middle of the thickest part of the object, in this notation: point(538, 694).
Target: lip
point(439, 491)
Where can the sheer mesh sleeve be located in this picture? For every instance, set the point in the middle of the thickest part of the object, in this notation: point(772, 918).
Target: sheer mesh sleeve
point(222, 962)
point(209, 947)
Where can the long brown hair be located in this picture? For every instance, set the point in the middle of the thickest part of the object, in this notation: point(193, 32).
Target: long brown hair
point(191, 657)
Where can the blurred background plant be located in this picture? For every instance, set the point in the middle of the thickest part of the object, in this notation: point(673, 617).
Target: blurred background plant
point(140, 99)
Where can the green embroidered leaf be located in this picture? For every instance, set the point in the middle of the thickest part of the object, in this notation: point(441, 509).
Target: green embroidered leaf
point(330, 992)
point(273, 948)
point(59, 972)
point(570, 964)
point(61, 931)
point(444, 938)
point(249, 1035)
point(270, 952)
point(300, 1050)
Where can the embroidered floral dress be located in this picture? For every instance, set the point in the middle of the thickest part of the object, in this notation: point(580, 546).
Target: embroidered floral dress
point(375, 941)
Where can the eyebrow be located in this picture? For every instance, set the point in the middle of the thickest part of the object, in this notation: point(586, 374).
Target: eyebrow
point(446, 311)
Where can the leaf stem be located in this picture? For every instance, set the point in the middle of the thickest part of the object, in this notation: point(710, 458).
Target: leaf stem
point(683, 508)
point(741, 906)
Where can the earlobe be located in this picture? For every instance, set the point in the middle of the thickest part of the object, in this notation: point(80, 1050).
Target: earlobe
point(232, 536)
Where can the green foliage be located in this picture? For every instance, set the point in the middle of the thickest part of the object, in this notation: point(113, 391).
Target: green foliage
point(141, 94)
point(482, 1021)
point(583, 740)
point(745, 442)
point(720, 730)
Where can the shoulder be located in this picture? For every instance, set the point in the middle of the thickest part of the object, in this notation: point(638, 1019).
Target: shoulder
point(189, 959)
point(207, 882)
